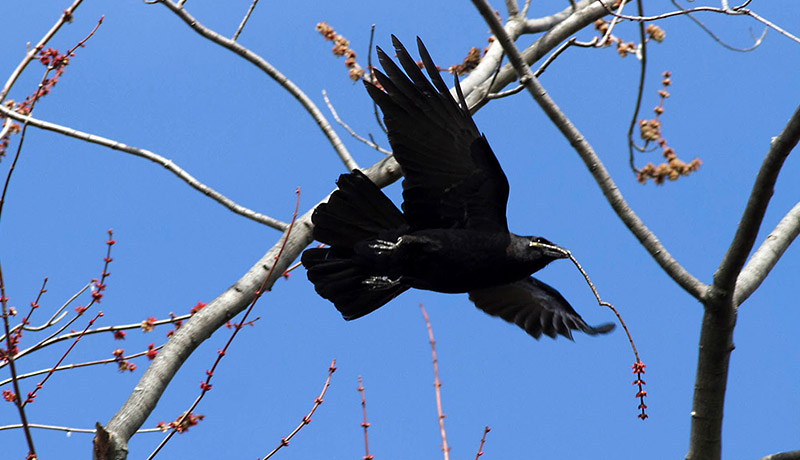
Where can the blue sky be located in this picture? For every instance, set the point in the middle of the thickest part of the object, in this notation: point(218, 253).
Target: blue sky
point(147, 80)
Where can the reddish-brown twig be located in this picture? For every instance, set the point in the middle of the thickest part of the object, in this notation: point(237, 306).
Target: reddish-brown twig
point(17, 330)
point(205, 386)
point(65, 17)
point(97, 294)
point(364, 424)
point(67, 367)
point(437, 385)
point(638, 366)
point(52, 340)
point(9, 356)
point(39, 385)
point(486, 430)
point(53, 61)
point(306, 418)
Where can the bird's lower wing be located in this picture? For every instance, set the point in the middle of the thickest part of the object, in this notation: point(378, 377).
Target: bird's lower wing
point(535, 307)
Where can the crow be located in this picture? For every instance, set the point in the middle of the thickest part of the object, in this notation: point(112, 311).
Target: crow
point(452, 234)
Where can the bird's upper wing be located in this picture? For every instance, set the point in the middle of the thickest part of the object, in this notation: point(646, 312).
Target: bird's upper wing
point(452, 178)
point(535, 307)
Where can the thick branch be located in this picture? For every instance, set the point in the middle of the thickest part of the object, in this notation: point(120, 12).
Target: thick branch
point(590, 158)
point(716, 345)
point(155, 158)
point(767, 255)
point(199, 327)
point(586, 13)
point(745, 237)
point(791, 455)
point(719, 318)
point(281, 79)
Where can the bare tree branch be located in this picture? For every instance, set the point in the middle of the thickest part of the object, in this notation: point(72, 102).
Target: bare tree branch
point(719, 318)
point(349, 129)
point(65, 17)
point(69, 429)
point(244, 20)
point(483, 76)
point(766, 256)
point(155, 158)
point(735, 11)
point(534, 26)
point(590, 158)
point(791, 455)
point(743, 240)
point(512, 7)
point(480, 81)
point(711, 379)
point(756, 44)
point(216, 313)
point(276, 75)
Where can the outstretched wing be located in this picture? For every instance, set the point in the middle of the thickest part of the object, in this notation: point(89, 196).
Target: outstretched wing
point(535, 307)
point(452, 178)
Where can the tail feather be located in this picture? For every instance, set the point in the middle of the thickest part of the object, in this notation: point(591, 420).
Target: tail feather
point(356, 212)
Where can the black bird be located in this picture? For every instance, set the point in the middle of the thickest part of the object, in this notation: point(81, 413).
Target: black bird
point(452, 235)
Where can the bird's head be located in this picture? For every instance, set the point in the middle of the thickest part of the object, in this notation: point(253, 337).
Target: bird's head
point(547, 248)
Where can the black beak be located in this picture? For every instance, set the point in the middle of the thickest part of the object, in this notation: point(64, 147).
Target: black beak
point(551, 250)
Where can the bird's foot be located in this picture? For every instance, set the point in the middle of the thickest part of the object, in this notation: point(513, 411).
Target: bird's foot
point(380, 282)
point(383, 246)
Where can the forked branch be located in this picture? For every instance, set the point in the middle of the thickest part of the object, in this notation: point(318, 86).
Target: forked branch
point(650, 242)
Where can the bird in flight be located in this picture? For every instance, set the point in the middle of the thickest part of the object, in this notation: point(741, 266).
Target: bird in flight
point(452, 235)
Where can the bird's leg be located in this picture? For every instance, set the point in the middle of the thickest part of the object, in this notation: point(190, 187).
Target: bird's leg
point(381, 282)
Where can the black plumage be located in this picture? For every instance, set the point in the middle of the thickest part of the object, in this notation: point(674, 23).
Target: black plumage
point(452, 234)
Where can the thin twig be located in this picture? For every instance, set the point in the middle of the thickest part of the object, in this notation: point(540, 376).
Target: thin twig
point(349, 129)
point(206, 386)
point(714, 36)
point(571, 42)
point(69, 429)
point(735, 11)
point(613, 23)
point(486, 431)
point(244, 20)
point(36, 96)
point(168, 164)
point(66, 16)
point(27, 318)
point(55, 318)
point(9, 355)
point(52, 370)
point(437, 385)
point(307, 418)
point(364, 423)
point(639, 92)
point(96, 296)
point(488, 95)
point(79, 365)
point(638, 366)
point(271, 71)
point(99, 330)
